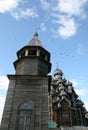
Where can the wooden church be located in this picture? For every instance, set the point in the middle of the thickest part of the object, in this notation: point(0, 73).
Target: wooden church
point(38, 101)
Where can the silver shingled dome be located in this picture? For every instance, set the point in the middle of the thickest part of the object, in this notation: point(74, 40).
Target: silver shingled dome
point(58, 71)
point(35, 41)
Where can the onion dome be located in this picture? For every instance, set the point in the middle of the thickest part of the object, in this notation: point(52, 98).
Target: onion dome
point(65, 80)
point(63, 93)
point(68, 83)
point(58, 72)
point(79, 103)
point(60, 81)
point(86, 115)
point(61, 88)
point(35, 41)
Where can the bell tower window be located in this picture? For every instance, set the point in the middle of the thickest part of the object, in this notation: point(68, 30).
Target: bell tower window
point(32, 53)
point(23, 54)
point(42, 55)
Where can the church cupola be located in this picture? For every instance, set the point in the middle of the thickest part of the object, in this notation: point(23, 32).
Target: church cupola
point(33, 59)
point(58, 74)
point(35, 41)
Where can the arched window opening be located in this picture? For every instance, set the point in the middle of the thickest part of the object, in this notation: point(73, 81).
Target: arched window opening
point(25, 117)
point(26, 105)
point(23, 54)
point(32, 52)
point(42, 55)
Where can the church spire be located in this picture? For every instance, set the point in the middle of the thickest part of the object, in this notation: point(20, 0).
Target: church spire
point(35, 41)
point(33, 56)
point(35, 36)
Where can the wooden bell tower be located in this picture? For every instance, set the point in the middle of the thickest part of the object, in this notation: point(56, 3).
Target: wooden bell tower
point(26, 106)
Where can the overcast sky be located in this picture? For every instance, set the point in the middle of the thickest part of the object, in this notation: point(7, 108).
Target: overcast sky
point(62, 26)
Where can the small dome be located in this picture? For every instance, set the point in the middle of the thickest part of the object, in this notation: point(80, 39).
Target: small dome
point(86, 115)
point(69, 83)
point(58, 72)
point(35, 41)
point(79, 103)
